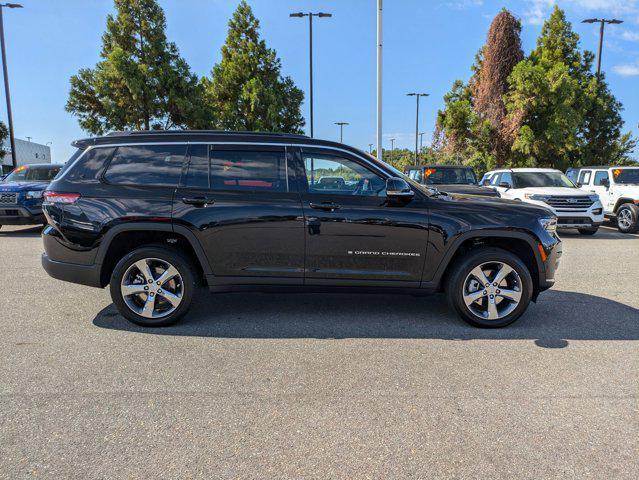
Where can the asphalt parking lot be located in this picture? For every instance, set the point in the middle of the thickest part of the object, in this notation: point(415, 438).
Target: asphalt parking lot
point(322, 386)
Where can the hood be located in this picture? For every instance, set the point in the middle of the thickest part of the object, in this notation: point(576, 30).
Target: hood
point(567, 191)
point(497, 204)
point(22, 186)
point(468, 189)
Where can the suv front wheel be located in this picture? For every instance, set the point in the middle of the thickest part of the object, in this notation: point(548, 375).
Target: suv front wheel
point(489, 287)
point(153, 286)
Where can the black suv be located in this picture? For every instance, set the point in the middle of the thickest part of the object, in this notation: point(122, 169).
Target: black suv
point(156, 213)
point(450, 179)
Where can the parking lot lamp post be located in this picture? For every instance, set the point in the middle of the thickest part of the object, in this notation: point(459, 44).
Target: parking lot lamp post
point(602, 22)
point(341, 130)
point(370, 148)
point(392, 140)
point(417, 95)
point(6, 83)
point(310, 16)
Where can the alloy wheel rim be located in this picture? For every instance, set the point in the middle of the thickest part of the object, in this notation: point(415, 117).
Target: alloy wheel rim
point(492, 290)
point(152, 288)
point(625, 218)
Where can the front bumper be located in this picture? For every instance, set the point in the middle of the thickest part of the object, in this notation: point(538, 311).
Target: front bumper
point(551, 262)
point(592, 217)
point(19, 215)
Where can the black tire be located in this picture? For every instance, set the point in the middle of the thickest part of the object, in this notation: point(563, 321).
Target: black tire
point(588, 231)
point(632, 211)
point(462, 267)
point(173, 257)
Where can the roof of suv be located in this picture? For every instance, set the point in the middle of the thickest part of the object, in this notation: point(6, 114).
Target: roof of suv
point(413, 167)
point(151, 136)
point(529, 170)
point(595, 167)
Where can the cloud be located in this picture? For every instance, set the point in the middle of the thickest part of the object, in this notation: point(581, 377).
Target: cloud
point(630, 36)
point(537, 10)
point(627, 70)
point(464, 4)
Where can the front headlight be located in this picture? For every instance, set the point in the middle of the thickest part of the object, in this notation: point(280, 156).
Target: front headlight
point(534, 196)
point(549, 224)
point(594, 198)
point(34, 194)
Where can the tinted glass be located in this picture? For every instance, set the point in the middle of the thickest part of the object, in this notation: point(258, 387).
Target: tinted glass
point(33, 174)
point(584, 177)
point(336, 175)
point(600, 176)
point(626, 175)
point(541, 179)
point(90, 164)
point(449, 176)
point(248, 170)
point(146, 165)
point(197, 170)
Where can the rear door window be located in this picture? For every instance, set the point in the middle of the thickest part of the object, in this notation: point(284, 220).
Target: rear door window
point(197, 167)
point(248, 170)
point(158, 165)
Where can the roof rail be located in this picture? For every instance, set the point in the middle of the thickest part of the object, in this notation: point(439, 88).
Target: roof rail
point(202, 132)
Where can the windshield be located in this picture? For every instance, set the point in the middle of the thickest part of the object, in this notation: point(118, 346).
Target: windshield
point(626, 175)
point(541, 179)
point(449, 176)
point(32, 174)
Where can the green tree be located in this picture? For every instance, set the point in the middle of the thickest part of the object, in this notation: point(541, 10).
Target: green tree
point(247, 90)
point(4, 134)
point(141, 81)
point(569, 116)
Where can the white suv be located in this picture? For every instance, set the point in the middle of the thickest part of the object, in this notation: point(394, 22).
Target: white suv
point(618, 189)
point(551, 189)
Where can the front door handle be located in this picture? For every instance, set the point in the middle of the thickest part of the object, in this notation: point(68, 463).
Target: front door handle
point(198, 201)
point(328, 206)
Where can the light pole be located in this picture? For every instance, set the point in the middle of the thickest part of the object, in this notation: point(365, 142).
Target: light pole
point(417, 95)
point(341, 130)
point(310, 16)
point(602, 21)
point(392, 140)
point(6, 83)
point(379, 80)
point(370, 148)
point(421, 135)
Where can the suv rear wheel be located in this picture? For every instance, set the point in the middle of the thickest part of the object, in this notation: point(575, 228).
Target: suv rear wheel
point(489, 287)
point(628, 218)
point(153, 286)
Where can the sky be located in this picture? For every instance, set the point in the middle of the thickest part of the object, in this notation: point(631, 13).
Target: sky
point(427, 45)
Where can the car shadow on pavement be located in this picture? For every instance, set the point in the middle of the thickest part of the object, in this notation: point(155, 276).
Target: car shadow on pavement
point(558, 318)
point(23, 232)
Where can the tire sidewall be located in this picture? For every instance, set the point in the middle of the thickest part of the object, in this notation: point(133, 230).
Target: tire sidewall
point(463, 268)
point(634, 213)
point(176, 259)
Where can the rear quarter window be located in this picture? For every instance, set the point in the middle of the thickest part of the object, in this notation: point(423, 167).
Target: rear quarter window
point(89, 166)
point(159, 165)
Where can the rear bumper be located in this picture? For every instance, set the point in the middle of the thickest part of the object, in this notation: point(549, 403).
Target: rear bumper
point(18, 215)
point(71, 272)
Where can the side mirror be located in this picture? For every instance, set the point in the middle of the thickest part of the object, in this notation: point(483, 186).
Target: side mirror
point(579, 184)
point(398, 188)
point(605, 182)
point(505, 185)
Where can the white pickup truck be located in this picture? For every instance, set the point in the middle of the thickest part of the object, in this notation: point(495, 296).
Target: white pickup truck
point(551, 189)
point(618, 189)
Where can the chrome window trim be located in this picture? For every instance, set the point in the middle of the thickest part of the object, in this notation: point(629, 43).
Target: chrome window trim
point(282, 144)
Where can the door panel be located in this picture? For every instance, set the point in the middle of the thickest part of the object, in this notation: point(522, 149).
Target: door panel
point(248, 220)
point(353, 235)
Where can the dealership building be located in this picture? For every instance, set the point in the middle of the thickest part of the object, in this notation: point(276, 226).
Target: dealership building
point(27, 153)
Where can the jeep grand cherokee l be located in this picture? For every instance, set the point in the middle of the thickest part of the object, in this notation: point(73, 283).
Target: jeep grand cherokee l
point(153, 214)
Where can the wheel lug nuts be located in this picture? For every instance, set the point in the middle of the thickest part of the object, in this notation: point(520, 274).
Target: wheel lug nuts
point(497, 291)
point(152, 294)
point(495, 284)
point(146, 288)
point(485, 292)
point(158, 283)
point(159, 291)
point(150, 281)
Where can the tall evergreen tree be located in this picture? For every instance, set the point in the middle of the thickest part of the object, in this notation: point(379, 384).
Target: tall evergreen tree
point(247, 90)
point(570, 117)
point(141, 81)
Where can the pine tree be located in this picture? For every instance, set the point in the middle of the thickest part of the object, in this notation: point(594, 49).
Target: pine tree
point(247, 90)
point(141, 81)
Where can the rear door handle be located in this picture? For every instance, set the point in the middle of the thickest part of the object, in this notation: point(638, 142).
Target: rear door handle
point(198, 201)
point(328, 206)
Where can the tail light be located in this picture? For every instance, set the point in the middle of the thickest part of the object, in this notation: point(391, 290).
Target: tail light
point(58, 197)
